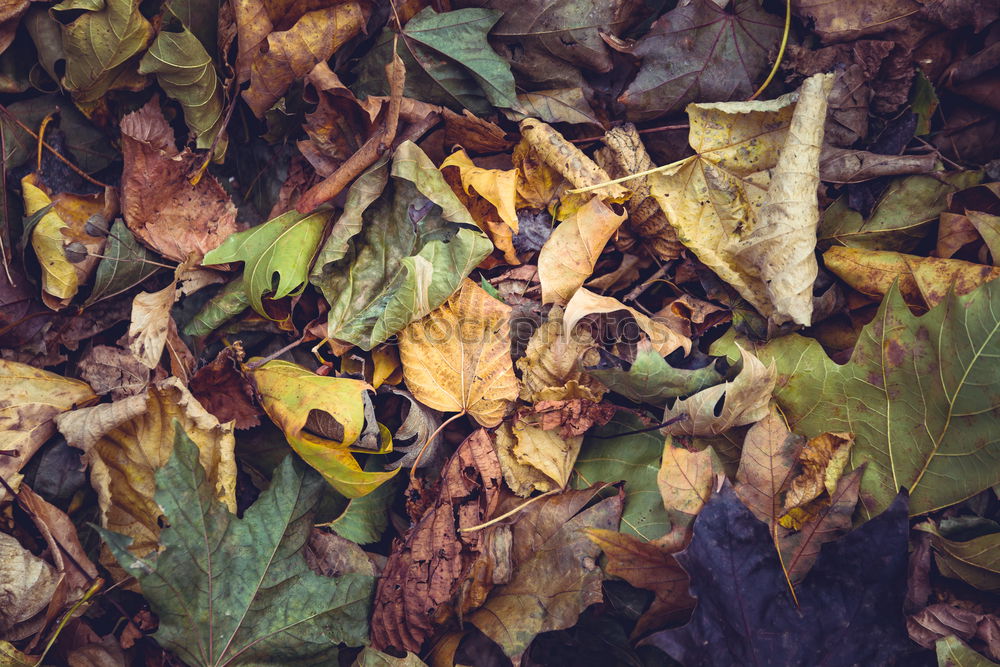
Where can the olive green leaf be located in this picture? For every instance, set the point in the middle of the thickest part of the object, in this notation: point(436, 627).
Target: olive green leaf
point(975, 561)
point(634, 459)
point(234, 591)
point(401, 247)
point(126, 263)
point(224, 306)
point(281, 247)
point(920, 394)
point(100, 38)
point(88, 145)
point(650, 379)
point(185, 71)
point(448, 61)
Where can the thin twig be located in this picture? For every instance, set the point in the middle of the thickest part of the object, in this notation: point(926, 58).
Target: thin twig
point(6, 208)
point(507, 515)
point(257, 363)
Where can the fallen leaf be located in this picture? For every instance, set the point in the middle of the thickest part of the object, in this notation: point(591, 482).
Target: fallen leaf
point(650, 379)
point(546, 451)
point(30, 398)
point(556, 105)
point(924, 282)
point(159, 204)
point(292, 396)
point(521, 477)
point(585, 304)
point(365, 519)
point(128, 441)
point(150, 324)
point(553, 364)
point(379, 277)
point(647, 566)
point(457, 358)
point(185, 71)
point(748, 616)
point(291, 53)
point(125, 264)
point(972, 214)
point(223, 388)
point(28, 583)
point(230, 590)
point(691, 54)
point(100, 41)
point(952, 652)
point(419, 425)
point(744, 401)
point(369, 657)
point(554, 576)
point(427, 566)
point(112, 370)
point(769, 454)
point(975, 561)
point(570, 162)
point(821, 462)
point(498, 189)
point(568, 257)
point(76, 571)
point(686, 480)
point(281, 248)
point(941, 619)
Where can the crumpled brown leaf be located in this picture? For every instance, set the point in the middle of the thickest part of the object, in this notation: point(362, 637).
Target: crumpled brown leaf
point(112, 370)
point(419, 588)
point(27, 583)
point(942, 619)
point(160, 205)
point(822, 462)
point(224, 390)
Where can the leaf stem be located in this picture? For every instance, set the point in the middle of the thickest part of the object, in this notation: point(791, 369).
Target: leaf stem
point(437, 431)
point(781, 52)
point(509, 514)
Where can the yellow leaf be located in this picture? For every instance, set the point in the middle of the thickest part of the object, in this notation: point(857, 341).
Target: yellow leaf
point(924, 282)
point(302, 403)
point(551, 368)
point(127, 441)
point(568, 257)
point(30, 398)
point(745, 402)
point(686, 478)
point(822, 460)
point(568, 160)
point(497, 186)
point(522, 478)
point(386, 367)
point(538, 184)
point(457, 358)
point(546, 451)
point(724, 209)
point(585, 303)
point(64, 224)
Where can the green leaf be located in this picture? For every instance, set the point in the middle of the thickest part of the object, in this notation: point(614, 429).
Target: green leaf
point(636, 460)
point(90, 148)
point(100, 38)
point(185, 71)
point(701, 52)
point(369, 657)
point(901, 219)
point(365, 519)
point(218, 310)
point(924, 101)
point(448, 61)
point(126, 263)
point(650, 379)
point(975, 561)
point(920, 394)
point(401, 247)
point(952, 652)
point(282, 248)
point(232, 591)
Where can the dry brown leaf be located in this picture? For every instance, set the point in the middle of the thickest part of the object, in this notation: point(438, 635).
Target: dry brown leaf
point(769, 453)
point(457, 358)
point(291, 53)
point(27, 583)
point(585, 304)
point(426, 568)
point(112, 370)
point(745, 400)
point(30, 398)
point(224, 390)
point(686, 479)
point(545, 451)
point(553, 362)
point(160, 205)
point(150, 321)
point(568, 257)
point(924, 282)
point(822, 463)
point(645, 565)
point(573, 417)
point(127, 441)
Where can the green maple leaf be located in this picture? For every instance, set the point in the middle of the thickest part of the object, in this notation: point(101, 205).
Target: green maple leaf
point(232, 591)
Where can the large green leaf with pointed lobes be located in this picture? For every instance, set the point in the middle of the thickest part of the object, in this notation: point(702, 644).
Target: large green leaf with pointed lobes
point(280, 248)
point(185, 71)
point(920, 394)
point(607, 456)
point(232, 591)
point(100, 38)
point(448, 61)
point(401, 247)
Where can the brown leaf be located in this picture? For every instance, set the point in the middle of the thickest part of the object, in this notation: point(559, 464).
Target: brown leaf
point(822, 462)
point(27, 583)
point(686, 479)
point(112, 370)
point(331, 555)
point(645, 565)
point(572, 417)
point(160, 205)
point(585, 305)
point(426, 567)
point(769, 452)
point(973, 214)
point(554, 571)
point(942, 619)
point(551, 368)
point(224, 390)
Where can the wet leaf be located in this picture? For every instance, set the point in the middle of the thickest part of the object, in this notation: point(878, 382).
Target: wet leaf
point(457, 358)
point(238, 591)
point(701, 52)
point(291, 395)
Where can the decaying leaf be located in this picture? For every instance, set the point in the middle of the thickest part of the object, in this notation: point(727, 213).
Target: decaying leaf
point(821, 462)
point(744, 401)
point(230, 590)
point(769, 453)
point(321, 418)
point(27, 584)
point(496, 189)
point(736, 218)
point(224, 389)
point(419, 585)
point(128, 441)
point(975, 561)
point(538, 597)
point(30, 398)
point(457, 358)
point(586, 304)
point(159, 204)
point(553, 364)
point(686, 480)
